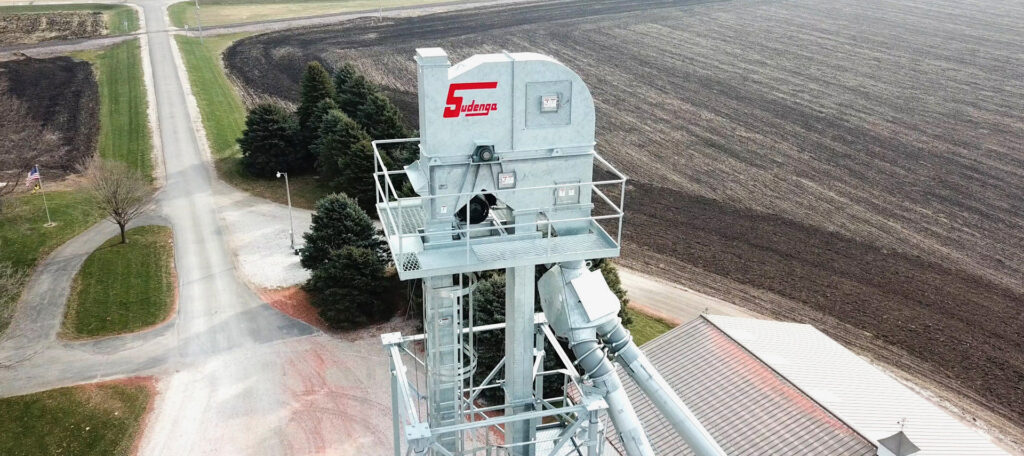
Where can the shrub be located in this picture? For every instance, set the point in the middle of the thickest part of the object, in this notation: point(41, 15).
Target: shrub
point(267, 142)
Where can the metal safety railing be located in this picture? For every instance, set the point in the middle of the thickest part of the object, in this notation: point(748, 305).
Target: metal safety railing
point(403, 218)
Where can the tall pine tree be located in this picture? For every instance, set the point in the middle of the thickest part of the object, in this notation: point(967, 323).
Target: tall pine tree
point(353, 90)
point(346, 290)
point(337, 222)
point(316, 87)
point(338, 136)
point(355, 175)
point(316, 122)
point(268, 141)
point(611, 275)
point(382, 120)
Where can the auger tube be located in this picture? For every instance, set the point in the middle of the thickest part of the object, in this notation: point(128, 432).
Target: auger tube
point(625, 352)
point(591, 358)
point(580, 307)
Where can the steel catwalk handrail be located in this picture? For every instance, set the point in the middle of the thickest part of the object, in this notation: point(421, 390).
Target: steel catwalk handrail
point(387, 194)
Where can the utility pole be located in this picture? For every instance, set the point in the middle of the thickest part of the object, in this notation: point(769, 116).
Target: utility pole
point(288, 191)
point(199, 23)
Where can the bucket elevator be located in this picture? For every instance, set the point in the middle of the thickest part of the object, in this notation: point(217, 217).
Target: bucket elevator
point(505, 180)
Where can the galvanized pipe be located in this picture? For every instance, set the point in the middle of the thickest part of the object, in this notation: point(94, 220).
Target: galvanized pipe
point(591, 358)
point(625, 352)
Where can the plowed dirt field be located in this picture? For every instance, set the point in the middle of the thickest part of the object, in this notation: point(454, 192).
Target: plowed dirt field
point(856, 165)
point(60, 94)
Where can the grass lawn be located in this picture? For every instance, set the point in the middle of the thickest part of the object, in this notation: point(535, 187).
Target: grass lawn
point(24, 240)
point(124, 126)
point(121, 19)
point(123, 287)
point(221, 12)
point(224, 119)
point(101, 419)
point(646, 327)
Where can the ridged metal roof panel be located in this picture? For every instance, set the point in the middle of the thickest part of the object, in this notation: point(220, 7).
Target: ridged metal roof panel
point(864, 397)
point(747, 407)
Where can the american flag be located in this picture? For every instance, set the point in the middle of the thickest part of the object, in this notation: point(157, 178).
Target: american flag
point(33, 176)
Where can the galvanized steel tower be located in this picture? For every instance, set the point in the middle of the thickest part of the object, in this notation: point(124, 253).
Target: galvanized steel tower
point(505, 180)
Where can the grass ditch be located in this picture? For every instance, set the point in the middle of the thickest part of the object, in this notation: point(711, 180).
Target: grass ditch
point(98, 419)
point(124, 125)
point(223, 12)
point(223, 116)
point(645, 327)
point(24, 240)
point(123, 287)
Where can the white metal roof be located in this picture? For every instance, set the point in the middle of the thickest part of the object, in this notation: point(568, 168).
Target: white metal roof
point(867, 399)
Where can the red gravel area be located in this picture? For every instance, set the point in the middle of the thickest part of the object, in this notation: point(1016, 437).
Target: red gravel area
point(294, 302)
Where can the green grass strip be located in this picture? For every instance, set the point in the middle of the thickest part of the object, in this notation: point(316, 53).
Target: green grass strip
point(24, 241)
point(223, 115)
point(123, 287)
point(645, 327)
point(81, 420)
point(122, 20)
point(124, 125)
point(221, 108)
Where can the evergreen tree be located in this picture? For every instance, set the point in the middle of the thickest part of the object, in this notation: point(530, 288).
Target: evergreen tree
point(611, 275)
point(352, 89)
point(382, 120)
point(316, 86)
point(268, 141)
point(338, 136)
point(337, 222)
point(316, 122)
point(346, 287)
point(355, 175)
point(489, 308)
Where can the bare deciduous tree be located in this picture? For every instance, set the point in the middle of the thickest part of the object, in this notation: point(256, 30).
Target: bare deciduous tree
point(122, 192)
point(23, 144)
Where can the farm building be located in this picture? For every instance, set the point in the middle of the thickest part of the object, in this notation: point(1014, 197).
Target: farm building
point(772, 388)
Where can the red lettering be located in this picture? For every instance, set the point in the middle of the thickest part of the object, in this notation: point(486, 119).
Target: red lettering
point(455, 107)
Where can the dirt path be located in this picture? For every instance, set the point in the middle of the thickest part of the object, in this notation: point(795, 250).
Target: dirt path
point(672, 301)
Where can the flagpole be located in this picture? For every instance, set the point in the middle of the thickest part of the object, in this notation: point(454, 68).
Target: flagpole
point(41, 190)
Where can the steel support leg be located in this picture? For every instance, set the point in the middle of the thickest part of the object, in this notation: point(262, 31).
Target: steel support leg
point(442, 324)
point(396, 411)
point(519, 345)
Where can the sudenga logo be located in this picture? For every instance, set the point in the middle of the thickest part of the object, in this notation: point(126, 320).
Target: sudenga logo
point(455, 106)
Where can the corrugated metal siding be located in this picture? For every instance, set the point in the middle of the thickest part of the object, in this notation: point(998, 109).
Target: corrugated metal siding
point(851, 388)
point(748, 408)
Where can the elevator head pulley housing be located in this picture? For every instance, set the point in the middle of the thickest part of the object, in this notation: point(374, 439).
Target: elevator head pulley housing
point(504, 174)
